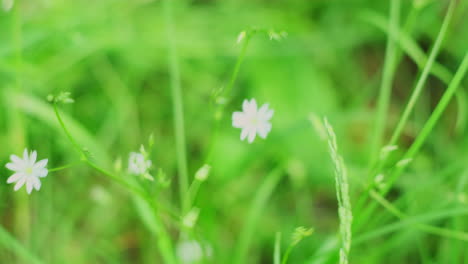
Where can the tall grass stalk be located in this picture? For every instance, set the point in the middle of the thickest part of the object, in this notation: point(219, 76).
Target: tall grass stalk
point(7, 241)
point(422, 137)
point(391, 61)
point(178, 107)
point(409, 107)
point(342, 194)
point(424, 75)
point(424, 227)
point(416, 53)
point(432, 121)
point(258, 204)
point(277, 250)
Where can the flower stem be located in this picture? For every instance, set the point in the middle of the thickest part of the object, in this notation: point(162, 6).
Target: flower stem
point(178, 109)
point(387, 78)
point(64, 167)
point(219, 112)
point(164, 241)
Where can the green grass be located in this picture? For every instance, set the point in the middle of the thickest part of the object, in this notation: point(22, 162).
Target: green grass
point(384, 73)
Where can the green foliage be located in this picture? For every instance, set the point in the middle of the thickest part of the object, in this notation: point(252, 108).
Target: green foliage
point(86, 83)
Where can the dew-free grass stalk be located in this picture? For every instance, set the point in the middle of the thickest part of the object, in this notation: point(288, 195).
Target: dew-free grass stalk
point(9, 242)
point(286, 254)
point(178, 107)
point(412, 49)
point(427, 228)
point(390, 64)
point(425, 73)
point(408, 222)
point(277, 249)
point(421, 138)
point(258, 203)
point(430, 124)
point(164, 240)
point(413, 98)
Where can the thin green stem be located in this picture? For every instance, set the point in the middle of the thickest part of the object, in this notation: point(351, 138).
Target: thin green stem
point(67, 133)
point(287, 253)
point(177, 103)
point(430, 124)
point(64, 167)
point(415, 95)
point(425, 73)
point(239, 61)
point(277, 250)
point(11, 243)
point(391, 61)
point(219, 112)
point(427, 228)
point(259, 202)
point(422, 137)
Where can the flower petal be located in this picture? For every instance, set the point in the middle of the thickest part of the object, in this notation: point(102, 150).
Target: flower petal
point(40, 164)
point(29, 184)
point(32, 157)
point(15, 177)
point(25, 155)
point(264, 113)
point(263, 109)
point(244, 133)
point(264, 129)
point(249, 107)
point(19, 183)
point(238, 119)
point(252, 134)
point(42, 172)
point(16, 159)
point(36, 183)
point(13, 166)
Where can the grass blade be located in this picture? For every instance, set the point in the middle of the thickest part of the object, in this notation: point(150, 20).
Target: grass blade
point(277, 253)
point(178, 107)
point(256, 208)
point(9, 242)
point(391, 61)
point(425, 73)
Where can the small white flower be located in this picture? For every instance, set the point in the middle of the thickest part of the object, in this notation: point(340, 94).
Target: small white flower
point(252, 120)
point(27, 171)
point(190, 251)
point(138, 164)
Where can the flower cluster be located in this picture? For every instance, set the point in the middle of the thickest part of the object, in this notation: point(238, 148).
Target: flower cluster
point(28, 171)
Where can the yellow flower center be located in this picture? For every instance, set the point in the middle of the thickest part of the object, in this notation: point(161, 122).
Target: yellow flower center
point(254, 121)
point(29, 170)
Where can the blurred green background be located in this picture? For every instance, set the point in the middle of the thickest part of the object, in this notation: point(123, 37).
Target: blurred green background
point(113, 57)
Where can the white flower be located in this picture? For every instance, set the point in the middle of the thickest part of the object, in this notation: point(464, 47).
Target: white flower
point(190, 251)
point(253, 120)
point(27, 171)
point(138, 164)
